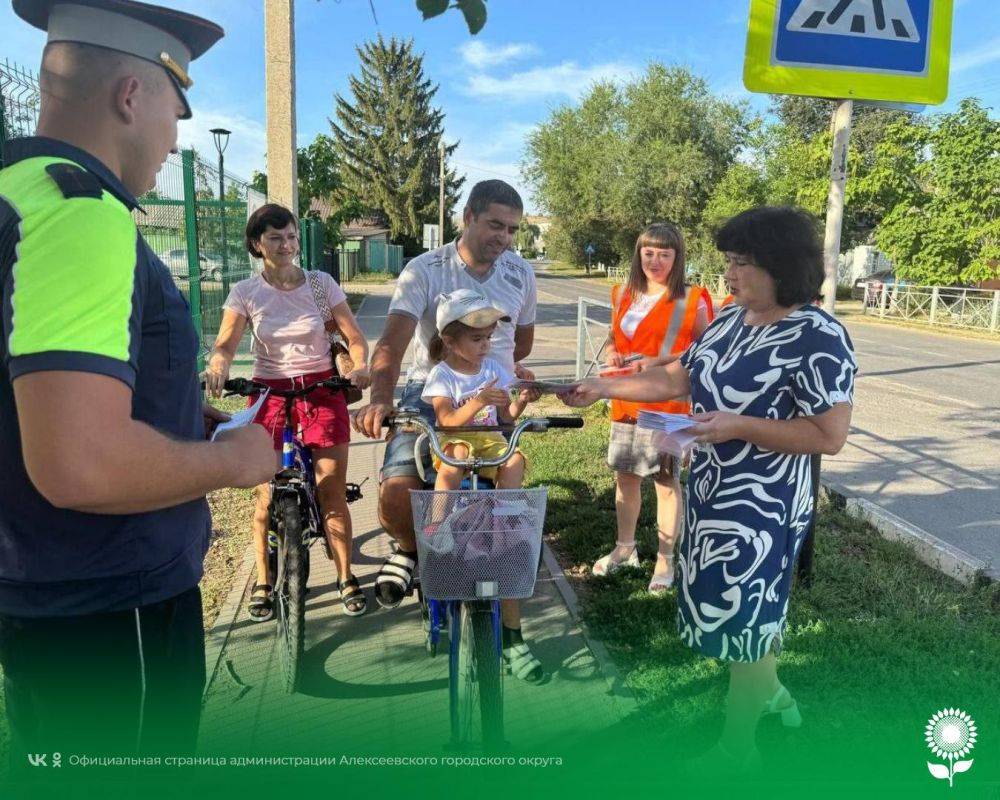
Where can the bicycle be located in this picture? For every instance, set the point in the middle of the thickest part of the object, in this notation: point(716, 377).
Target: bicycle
point(475, 547)
point(294, 517)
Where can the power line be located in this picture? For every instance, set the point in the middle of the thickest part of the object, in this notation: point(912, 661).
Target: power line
point(487, 171)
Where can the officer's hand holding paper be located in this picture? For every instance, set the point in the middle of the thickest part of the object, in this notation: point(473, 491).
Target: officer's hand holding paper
point(240, 418)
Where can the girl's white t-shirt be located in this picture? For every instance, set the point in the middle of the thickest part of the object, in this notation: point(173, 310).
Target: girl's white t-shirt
point(289, 335)
point(443, 381)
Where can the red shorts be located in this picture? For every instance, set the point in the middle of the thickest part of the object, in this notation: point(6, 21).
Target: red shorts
point(322, 414)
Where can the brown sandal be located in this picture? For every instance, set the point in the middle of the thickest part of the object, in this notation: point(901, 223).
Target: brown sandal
point(261, 606)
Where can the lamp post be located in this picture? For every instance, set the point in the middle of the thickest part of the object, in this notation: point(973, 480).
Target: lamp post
point(221, 137)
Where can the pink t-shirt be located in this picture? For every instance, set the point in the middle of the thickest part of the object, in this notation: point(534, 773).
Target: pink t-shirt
point(289, 337)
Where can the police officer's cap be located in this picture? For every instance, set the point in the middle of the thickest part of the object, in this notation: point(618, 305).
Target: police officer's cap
point(163, 36)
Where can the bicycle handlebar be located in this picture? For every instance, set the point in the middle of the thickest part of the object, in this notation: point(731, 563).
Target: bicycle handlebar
point(405, 417)
point(245, 387)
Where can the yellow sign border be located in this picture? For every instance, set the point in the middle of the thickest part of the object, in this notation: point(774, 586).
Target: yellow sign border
point(760, 75)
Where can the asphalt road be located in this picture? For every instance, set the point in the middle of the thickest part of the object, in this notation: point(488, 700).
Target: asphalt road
point(925, 437)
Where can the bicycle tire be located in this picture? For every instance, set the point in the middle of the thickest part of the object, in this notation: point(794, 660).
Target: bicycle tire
point(478, 716)
point(291, 594)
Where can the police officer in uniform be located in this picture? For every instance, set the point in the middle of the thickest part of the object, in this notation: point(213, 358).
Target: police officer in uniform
point(103, 518)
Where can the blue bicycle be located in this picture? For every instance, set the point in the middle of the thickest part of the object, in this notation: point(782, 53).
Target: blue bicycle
point(294, 517)
point(475, 547)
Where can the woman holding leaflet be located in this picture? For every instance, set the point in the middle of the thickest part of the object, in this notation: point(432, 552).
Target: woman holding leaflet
point(654, 316)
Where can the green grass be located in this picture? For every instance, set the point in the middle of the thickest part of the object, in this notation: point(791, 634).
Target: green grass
point(372, 277)
point(567, 270)
point(875, 645)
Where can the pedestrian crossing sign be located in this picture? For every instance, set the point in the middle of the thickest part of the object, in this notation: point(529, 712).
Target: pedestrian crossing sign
point(889, 50)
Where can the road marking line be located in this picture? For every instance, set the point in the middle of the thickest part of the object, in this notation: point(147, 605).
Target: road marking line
point(938, 398)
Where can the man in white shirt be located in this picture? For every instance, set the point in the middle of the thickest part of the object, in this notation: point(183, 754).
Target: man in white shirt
point(479, 260)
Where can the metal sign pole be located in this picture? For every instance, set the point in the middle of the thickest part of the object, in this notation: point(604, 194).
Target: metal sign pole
point(835, 200)
point(441, 154)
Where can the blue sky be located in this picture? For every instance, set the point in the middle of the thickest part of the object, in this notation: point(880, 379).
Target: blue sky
point(533, 56)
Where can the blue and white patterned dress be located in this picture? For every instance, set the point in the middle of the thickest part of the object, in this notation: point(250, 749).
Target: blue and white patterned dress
point(748, 509)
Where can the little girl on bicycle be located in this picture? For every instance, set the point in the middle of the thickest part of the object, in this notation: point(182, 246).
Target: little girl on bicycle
point(466, 387)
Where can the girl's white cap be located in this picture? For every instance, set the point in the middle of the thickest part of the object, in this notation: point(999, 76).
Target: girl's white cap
point(468, 307)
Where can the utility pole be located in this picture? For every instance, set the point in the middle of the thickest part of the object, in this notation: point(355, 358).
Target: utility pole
point(835, 200)
point(279, 102)
point(441, 191)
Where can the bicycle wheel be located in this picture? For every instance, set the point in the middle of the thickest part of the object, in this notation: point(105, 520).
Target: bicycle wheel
point(291, 591)
point(477, 696)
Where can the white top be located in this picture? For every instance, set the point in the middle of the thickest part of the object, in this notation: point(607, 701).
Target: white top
point(640, 308)
point(443, 381)
point(509, 285)
point(289, 336)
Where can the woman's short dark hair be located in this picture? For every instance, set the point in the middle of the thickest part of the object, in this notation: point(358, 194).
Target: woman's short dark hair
point(269, 215)
point(783, 242)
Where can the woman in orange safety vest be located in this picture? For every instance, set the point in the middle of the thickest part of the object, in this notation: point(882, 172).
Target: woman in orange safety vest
point(654, 316)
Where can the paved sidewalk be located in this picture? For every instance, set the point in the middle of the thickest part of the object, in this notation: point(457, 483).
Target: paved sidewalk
point(369, 687)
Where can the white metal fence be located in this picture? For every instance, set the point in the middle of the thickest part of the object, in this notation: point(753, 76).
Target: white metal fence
point(592, 333)
point(936, 305)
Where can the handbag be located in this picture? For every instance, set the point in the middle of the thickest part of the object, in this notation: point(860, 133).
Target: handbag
point(339, 355)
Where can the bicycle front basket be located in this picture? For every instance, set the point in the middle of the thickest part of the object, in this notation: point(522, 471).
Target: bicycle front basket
point(475, 544)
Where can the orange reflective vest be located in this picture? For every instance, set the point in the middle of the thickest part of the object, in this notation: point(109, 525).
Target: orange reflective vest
point(667, 329)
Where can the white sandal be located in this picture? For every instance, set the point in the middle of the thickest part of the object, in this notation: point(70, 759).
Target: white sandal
point(662, 581)
point(519, 661)
point(605, 566)
point(783, 703)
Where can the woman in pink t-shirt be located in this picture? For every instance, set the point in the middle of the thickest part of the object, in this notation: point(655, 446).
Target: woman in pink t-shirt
point(291, 349)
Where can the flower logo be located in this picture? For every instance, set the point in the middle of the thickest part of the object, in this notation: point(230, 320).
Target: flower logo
point(950, 734)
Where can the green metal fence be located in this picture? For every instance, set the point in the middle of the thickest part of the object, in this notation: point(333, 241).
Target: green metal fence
point(198, 237)
point(370, 255)
point(19, 109)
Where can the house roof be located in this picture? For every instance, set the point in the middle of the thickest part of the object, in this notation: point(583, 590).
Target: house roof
point(365, 227)
point(363, 231)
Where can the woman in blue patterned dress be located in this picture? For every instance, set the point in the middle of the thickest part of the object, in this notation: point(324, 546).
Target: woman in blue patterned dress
point(771, 382)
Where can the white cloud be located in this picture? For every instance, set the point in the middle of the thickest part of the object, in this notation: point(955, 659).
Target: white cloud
point(247, 143)
point(481, 55)
point(977, 56)
point(568, 80)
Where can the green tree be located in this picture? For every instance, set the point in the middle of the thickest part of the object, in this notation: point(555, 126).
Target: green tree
point(319, 173)
point(653, 149)
point(524, 239)
point(742, 186)
point(387, 137)
point(945, 225)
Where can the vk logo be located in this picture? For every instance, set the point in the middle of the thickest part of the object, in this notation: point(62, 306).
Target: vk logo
point(38, 759)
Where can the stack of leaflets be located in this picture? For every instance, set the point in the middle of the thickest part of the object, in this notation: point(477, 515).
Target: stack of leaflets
point(671, 434)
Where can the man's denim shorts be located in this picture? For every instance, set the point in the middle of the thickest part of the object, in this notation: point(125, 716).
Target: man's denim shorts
point(398, 460)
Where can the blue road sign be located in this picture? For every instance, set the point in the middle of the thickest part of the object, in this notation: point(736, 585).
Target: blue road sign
point(890, 50)
point(884, 35)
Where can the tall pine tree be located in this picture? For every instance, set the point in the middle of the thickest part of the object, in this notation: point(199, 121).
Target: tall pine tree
point(388, 140)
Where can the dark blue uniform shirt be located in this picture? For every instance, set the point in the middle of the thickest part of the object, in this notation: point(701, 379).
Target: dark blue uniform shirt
point(80, 290)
